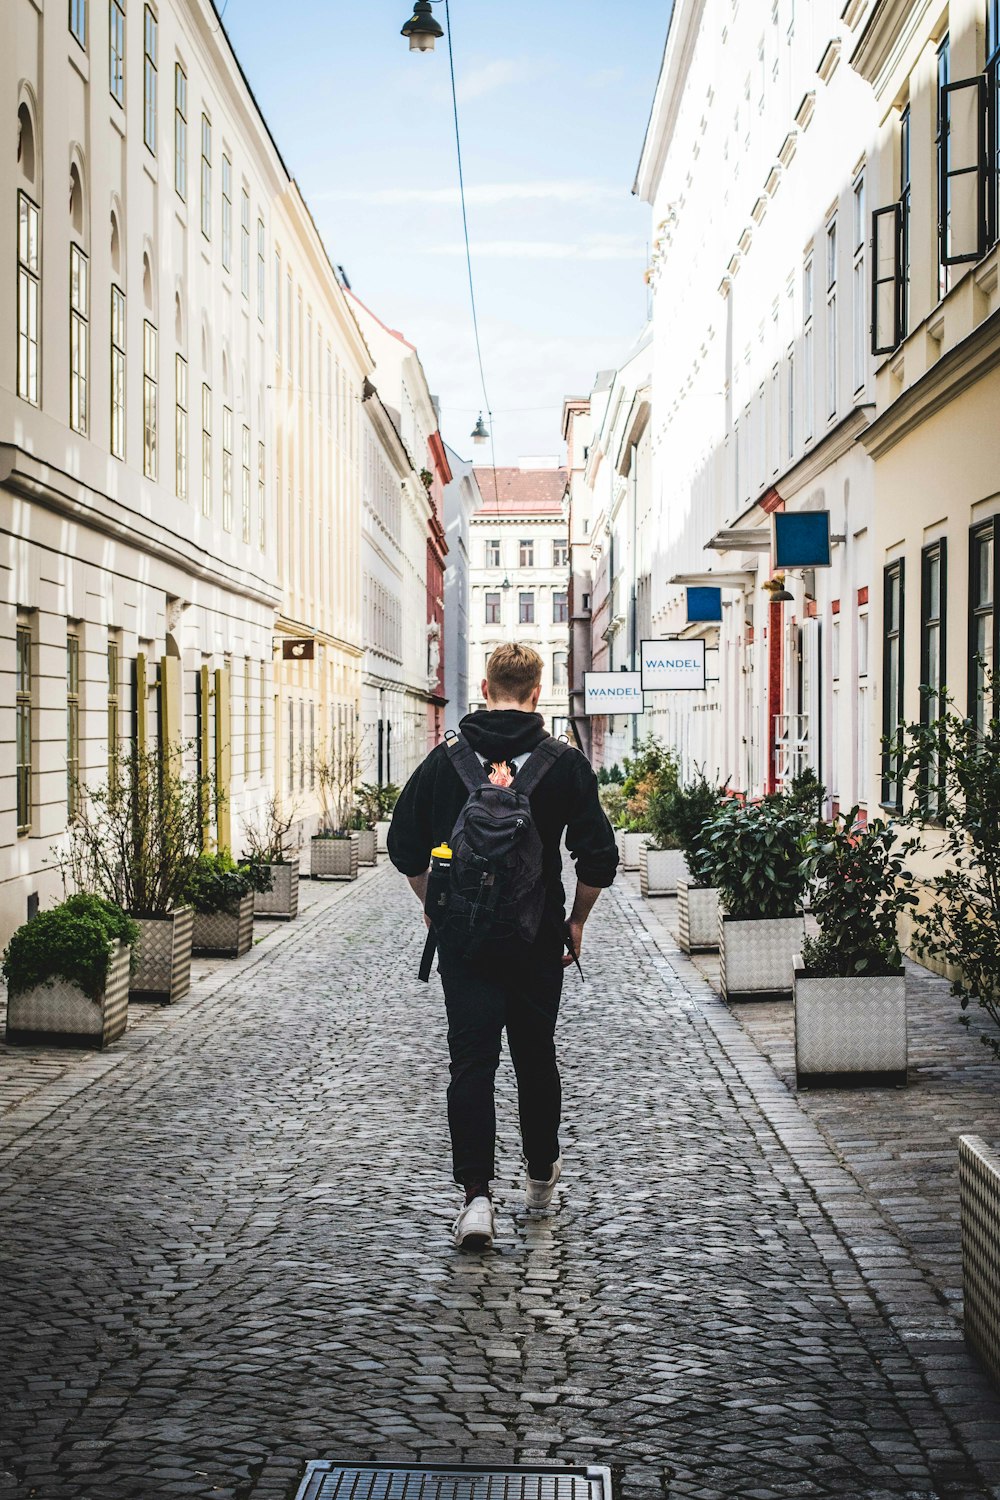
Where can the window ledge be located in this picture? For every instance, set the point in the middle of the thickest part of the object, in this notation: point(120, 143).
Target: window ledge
point(987, 272)
point(79, 60)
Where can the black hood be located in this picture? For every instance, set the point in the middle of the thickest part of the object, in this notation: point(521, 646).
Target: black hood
point(502, 733)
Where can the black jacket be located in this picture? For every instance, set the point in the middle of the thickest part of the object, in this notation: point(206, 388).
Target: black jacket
point(565, 800)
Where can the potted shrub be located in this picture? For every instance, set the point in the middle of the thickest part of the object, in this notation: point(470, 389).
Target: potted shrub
point(652, 769)
point(849, 984)
point(371, 802)
point(334, 849)
point(752, 853)
point(221, 893)
point(388, 797)
point(272, 847)
point(693, 806)
point(132, 841)
point(67, 974)
point(661, 860)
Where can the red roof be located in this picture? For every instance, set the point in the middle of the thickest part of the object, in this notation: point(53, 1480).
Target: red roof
point(517, 492)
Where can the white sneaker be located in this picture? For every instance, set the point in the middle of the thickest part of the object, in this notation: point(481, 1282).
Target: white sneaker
point(539, 1194)
point(476, 1225)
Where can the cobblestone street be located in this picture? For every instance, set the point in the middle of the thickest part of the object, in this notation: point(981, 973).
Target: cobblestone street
point(226, 1247)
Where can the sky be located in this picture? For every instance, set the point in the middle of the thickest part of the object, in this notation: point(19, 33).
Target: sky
point(553, 100)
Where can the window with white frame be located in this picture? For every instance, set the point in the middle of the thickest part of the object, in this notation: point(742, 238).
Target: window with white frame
point(149, 80)
point(560, 669)
point(180, 132)
point(831, 318)
point(150, 401)
point(261, 270)
point(790, 375)
point(180, 427)
point(492, 616)
point(808, 350)
point(493, 552)
point(78, 21)
point(227, 468)
point(261, 489)
point(859, 288)
point(560, 552)
point(245, 243)
point(245, 491)
point(116, 50)
point(775, 420)
point(864, 709)
point(227, 213)
point(29, 297)
point(117, 372)
point(943, 185)
point(206, 177)
point(526, 554)
point(560, 606)
point(206, 450)
point(526, 608)
point(79, 339)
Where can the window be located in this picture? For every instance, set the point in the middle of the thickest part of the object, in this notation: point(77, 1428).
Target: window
point(181, 427)
point(206, 450)
point(79, 338)
point(808, 401)
point(493, 552)
point(526, 554)
point(277, 308)
point(72, 724)
point(863, 732)
point(859, 342)
point(245, 243)
point(967, 166)
point(261, 531)
point(206, 177)
point(560, 552)
point(29, 294)
point(831, 318)
point(117, 372)
point(227, 213)
point(984, 621)
point(791, 402)
point(526, 608)
point(24, 694)
point(227, 468)
point(261, 270)
point(560, 606)
point(736, 457)
point(116, 50)
point(246, 716)
point(492, 609)
point(291, 747)
point(78, 20)
point(245, 494)
point(933, 605)
point(180, 131)
point(775, 420)
point(993, 135)
point(150, 401)
point(835, 650)
point(892, 679)
point(114, 715)
point(560, 672)
point(149, 81)
point(904, 222)
point(262, 720)
point(943, 183)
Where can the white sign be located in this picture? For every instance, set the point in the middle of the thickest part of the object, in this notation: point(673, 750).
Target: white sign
point(673, 666)
point(612, 693)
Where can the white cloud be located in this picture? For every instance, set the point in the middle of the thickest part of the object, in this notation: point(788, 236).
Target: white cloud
point(486, 195)
point(489, 76)
point(594, 247)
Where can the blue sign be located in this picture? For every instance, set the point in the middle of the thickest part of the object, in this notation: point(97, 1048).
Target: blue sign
point(801, 540)
point(704, 605)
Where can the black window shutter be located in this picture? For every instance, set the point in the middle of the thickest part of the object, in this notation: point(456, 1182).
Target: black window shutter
point(887, 278)
point(963, 175)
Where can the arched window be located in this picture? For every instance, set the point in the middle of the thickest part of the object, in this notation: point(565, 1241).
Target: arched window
point(26, 144)
point(29, 263)
point(79, 305)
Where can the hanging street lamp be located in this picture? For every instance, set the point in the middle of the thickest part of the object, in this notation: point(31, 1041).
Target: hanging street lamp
point(422, 29)
point(479, 433)
point(776, 588)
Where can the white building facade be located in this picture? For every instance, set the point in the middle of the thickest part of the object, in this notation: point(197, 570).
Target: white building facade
point(461, 500)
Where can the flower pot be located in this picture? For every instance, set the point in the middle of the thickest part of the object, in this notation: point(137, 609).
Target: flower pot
point(334, 859)
point(629, 847)
point(58, 1013)
point(282, 901)
point(697, 917)
point(225, 934)
point(368, 847)
point(163, 972)
point(758, 955)
point(979, 1197)
point(660, 870)
point(382, 835)
point(849, 1030)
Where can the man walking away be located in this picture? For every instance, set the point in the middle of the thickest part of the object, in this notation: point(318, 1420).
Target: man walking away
point(499, 915)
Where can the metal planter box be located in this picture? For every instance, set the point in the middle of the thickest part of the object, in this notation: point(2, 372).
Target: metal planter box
point(382, 835)
point(849, 1030)
point(660, 870)
point(282, 900)
point(697, 917)
point(367, 847)
point(979, 1194)
point(630, 846)
point(225, 934)
point(163, 973)
point(58, 1013)
point(758, 956)
point(334, 859)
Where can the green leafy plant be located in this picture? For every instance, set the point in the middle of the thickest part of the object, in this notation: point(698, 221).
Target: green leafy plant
point(217, 883)
point(651, 770)
point(660, 820)
point(613, 800)
point(805, 793)
point(861, 884)
point(375, 803)
point(752, 852)
point(688, 809)
point(74, 941)
point(960, 923)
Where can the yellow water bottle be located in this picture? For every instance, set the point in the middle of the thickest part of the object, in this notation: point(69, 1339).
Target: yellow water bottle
point(438, 882)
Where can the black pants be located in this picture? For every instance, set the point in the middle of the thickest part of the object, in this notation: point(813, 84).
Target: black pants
point(519, 987)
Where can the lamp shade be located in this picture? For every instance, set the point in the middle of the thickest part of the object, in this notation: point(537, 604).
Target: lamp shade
point(480, 432)
point(421, 29)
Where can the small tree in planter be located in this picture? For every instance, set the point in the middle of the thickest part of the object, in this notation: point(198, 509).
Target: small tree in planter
point(651, 770)
point(951, 768)
point(222, 895)
point(692, 807)
point(752, 854)
point(661, 862)
point(133, 841)
point(849, 985)
point(67, 974)
point(373, 805)
point(271, 845)
point(335, 847)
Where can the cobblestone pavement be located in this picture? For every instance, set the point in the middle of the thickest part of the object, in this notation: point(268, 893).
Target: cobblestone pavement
point(225, 1249)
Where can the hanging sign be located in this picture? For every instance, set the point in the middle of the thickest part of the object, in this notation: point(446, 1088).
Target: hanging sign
point(800, 539)
point(673, 666)
point(612, 693)
point(704, 605)
point(298, 650)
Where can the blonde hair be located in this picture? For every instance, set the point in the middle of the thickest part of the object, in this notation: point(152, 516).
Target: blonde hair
point(513, 671)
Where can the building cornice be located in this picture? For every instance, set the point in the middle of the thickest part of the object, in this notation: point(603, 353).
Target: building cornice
point(890, 31)
point(953, 373)
point(682, 36)
point(302, 222)
point(301, 630)
point(67, 496)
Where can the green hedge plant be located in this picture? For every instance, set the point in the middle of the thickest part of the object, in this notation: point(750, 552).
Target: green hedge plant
point(752, 853)
point(217, 883)
point(681, 815)
point(75, 941)
point(860, 885)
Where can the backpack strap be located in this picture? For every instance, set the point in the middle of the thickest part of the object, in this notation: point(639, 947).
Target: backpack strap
point(539, 762)
point(466, 762)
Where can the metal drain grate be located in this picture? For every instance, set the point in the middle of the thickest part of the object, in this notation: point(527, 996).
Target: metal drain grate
point(330, 1481)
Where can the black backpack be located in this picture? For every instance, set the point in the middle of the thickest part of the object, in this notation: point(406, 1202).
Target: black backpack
point(495, 888)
